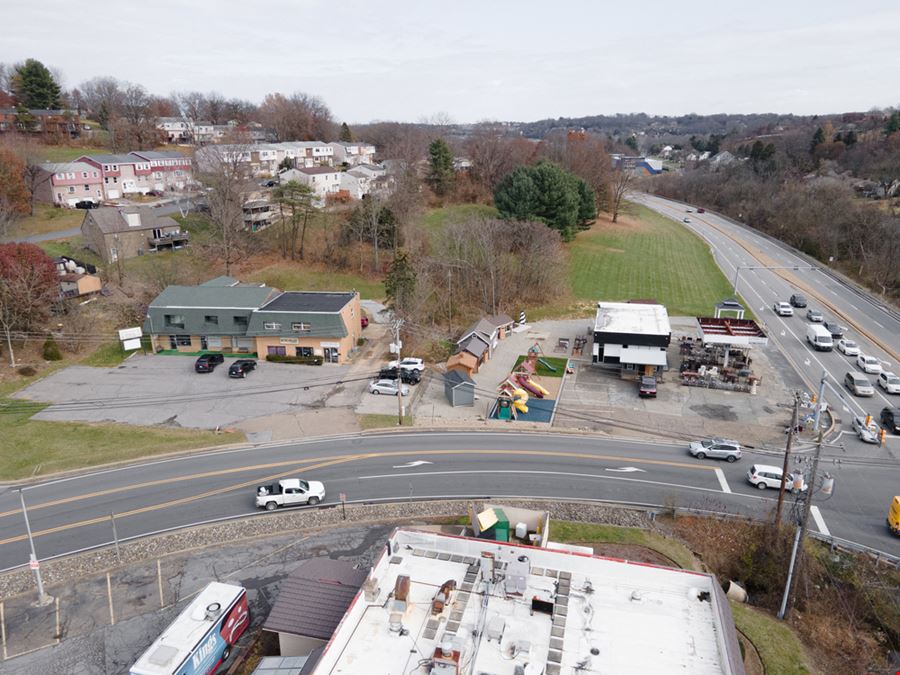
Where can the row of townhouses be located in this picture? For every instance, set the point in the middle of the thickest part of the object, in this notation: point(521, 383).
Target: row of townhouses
point(56, 123)
point(178, 130)
point(98, 178)
point(264, 159)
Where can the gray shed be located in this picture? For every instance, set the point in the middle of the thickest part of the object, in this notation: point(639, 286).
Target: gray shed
point(459, 388)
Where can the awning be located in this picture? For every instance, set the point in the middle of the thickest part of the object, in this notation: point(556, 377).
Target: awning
point(643, 356)
point(612, 350)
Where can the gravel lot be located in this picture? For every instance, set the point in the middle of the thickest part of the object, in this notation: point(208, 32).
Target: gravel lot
point(151, 390)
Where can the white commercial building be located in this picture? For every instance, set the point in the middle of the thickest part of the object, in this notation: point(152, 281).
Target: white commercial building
point(438, 604)
point(632, 335)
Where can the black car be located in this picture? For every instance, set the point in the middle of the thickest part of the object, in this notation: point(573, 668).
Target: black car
point(208, 362)
point(407, 375)
point(798, 300)
point(86, 204)
point(241, 367)
point(647, 388)
point(833, 327)
point(890, 419)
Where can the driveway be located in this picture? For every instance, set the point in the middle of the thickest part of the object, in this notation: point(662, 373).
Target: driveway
point(150, 390)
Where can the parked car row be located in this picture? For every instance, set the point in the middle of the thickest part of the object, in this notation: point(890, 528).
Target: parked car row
point(408, 371)
point(206, 363)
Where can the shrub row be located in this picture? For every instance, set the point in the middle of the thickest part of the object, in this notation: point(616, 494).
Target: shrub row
point(301, 360)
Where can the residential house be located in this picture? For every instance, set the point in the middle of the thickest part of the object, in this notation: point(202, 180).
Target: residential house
point(76, 278)
point(126, 232)
point(226, 315)
point(176, 129)
point(258, 214)
point(324, 180)
point(353, 153)
point(311, 603)
point(135, 173)
point(365, 179)
point(68, 183)
point(48, 123)
point(264, 157)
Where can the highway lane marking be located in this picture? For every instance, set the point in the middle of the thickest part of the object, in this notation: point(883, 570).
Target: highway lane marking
point(329, 461)
point(300, 463)
point(722, 481)
point(529, 472)
point(820, 521)
point(877, 324)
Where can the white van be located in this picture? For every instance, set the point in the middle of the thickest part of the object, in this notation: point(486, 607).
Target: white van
point(819, 337)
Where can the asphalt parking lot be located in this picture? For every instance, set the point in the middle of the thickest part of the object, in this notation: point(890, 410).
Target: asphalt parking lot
point(152, 390)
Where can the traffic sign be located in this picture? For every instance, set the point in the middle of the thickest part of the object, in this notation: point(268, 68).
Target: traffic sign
point(35, 564)
point(342, 496)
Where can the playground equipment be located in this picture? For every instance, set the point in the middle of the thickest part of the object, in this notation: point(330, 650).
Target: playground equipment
point(512, 399)
point(529, 385)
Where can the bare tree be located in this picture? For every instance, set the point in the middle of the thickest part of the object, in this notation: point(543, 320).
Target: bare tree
point(226, 174)
point(9, 215)
point(622, 180)
point(295, 202)
point(299, 117)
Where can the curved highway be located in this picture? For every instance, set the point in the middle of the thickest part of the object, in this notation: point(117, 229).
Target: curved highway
point(73, 513)
point(874, 327)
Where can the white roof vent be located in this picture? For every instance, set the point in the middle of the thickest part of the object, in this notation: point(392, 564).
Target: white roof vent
point(133, 219)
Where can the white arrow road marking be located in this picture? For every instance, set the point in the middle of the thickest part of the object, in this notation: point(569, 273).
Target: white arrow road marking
point(410, 465)
point(806, 362)
point(820, 521)
point(783, 333)
point(724, 483)
point(627, 469)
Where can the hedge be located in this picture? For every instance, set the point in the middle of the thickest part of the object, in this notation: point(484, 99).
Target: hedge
point(301, 360)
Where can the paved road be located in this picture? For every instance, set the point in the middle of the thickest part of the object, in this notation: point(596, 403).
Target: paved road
point(74, 513)
point(762, 287)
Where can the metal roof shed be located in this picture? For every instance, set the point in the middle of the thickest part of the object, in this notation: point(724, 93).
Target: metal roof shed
point(459, 389)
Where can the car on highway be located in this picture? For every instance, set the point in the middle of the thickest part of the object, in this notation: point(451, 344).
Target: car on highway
point(289, 492)
point(717, 448)
point(701, 210)
point(859, 384)
point(889, 382)
point(647, 387)
point(798, 301)
point(687, 220)
point(848, 347)
point(815, 316)
point(783, 309)
point(208, 362)
point(868, 364)
point(868, 433)
point(388, 387)
point(890, 419)
point(407, 376)
point(409, 363)
point(837, 331)
point(241, 367)
point(689, 210)
point(766, 476)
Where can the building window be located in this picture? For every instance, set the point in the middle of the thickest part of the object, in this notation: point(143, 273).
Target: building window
point(173, 320)
point(300, 327)
point(172, 343)
point(183, 340)
point(87, 188)
point(71, 189)
point(211, 318)
point(276, 351)
point(106, 179)
point(240, 322)
point(304, 351)
point(271, 325)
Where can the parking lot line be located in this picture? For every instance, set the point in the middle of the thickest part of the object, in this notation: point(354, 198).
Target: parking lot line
point(724, 483)
point(820, 521)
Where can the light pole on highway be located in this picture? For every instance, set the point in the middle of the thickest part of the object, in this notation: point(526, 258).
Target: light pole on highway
point(34, 563)
point(796, 268)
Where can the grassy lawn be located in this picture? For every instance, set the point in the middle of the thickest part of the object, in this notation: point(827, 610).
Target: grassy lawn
point(73, 247)
point(647, 256)
point(778, 646)
point(68, 153)
point(544, 371)
point(106, 356)
point(573, 532)
point(374, 421)
point(436, 219)
point(48, 218)
point(299, 276)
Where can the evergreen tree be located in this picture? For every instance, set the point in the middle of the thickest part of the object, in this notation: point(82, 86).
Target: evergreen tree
point(400, 283)
point(516, 195)
point(346, 135)
point(817, 139)
point(893, 124)
point(441, 174)
point(850, 138)
point(587, 205)
point(632, 143)
point(35, 87)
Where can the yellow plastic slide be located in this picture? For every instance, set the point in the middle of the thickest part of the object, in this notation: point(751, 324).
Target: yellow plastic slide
point(538, 387)
point(520, 399)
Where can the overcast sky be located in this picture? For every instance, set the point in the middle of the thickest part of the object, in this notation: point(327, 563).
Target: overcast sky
point(481, 59)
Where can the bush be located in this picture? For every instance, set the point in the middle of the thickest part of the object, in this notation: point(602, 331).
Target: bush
point(26, 371)
point(300, 360)
point(51, 350)
point(360, 341)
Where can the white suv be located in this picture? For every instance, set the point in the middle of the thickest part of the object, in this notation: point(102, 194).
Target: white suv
point(409, 363)
point(889, 382)
point(849, 347)
point(783, 309)
point(718, 448)
point(765, 476)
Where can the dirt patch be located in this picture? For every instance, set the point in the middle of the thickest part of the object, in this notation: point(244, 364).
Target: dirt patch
point(716, 411)
point(753, 664)
point(631, 552)
point(625, 223)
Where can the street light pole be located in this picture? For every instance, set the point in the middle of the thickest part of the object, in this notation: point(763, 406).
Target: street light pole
point(43, 598)
point(397, 325)
point(787, 455)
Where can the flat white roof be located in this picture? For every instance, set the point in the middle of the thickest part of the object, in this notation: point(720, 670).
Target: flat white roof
point(634, 318)
point(552, 612)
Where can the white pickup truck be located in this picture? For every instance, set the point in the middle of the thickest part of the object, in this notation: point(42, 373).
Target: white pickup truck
point(289, 492)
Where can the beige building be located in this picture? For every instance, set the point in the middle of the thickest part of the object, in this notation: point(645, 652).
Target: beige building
point(126, 232)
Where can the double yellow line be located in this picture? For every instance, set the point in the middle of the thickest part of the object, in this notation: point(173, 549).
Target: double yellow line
point(309, 464)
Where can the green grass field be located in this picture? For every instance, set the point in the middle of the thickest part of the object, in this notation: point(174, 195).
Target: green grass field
point(544, 371)
point(779, 647)
point(657, 259)
point(294, 277)
point(48, 218)
point(436, 219)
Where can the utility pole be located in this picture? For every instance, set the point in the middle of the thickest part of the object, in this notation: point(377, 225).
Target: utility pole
point(797, 553)
point(787, 454)
point(397, 324)
point(820, 401)
point(34, 563)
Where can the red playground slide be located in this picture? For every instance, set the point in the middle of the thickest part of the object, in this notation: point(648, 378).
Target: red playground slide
point(523, 382)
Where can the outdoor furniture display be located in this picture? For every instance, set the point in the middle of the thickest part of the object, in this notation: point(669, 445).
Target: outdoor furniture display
point(715, 366)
